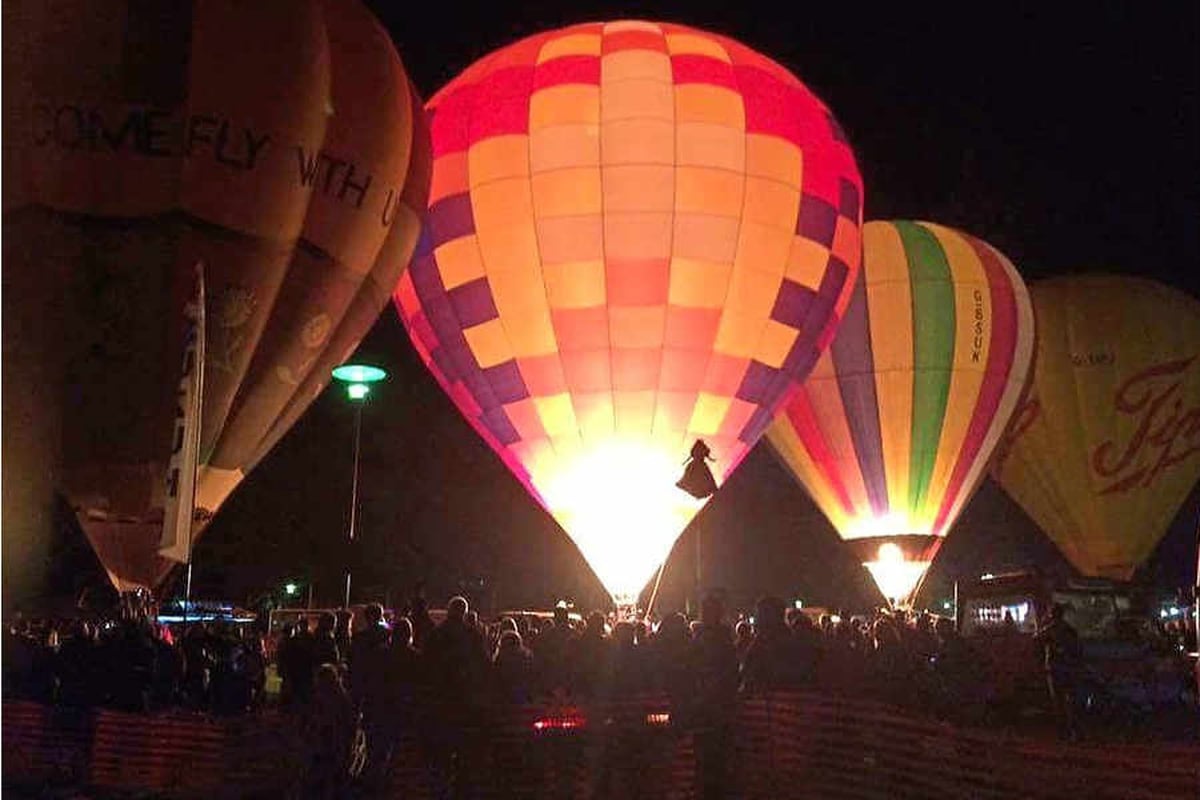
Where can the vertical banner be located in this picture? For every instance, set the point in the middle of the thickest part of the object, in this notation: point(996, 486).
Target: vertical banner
point(179, 510)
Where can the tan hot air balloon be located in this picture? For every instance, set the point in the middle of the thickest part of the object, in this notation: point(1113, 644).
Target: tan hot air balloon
point(277, 147)
point(1107, 446)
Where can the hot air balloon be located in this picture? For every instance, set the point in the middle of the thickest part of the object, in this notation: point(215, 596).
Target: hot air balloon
point(161, 142)
point(1107, 446)
point(639, 235)
point(892, 431)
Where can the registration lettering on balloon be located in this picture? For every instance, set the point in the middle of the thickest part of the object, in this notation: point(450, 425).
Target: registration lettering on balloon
point(1166, 432)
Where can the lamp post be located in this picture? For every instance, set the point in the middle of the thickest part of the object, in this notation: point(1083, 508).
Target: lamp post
point(357, 379)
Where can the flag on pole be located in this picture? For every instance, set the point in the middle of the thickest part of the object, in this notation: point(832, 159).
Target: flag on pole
point(179, 510)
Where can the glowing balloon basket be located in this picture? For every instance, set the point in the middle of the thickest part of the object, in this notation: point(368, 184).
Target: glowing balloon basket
point(893, 429)
point(639, 235)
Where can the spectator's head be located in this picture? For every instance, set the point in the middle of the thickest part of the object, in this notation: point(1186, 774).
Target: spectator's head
point(402, 632)
point(743, 630)
point(329, 680)
point(624, 633)
point(326, 623)
point(673, 626)
point(373, 612)
point(472, 618)
point(712, 609)
point(561, 618)
point(457, 608)
point(508, 624)
point(944, 627)
point(768, 613)
point(641, 632)
point(595, 624)
point(509, 640)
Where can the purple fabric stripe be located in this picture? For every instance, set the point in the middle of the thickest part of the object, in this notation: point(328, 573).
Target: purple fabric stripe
point(498, 423)
point(855, 369)
point(803, 357)
point(426, 280)
point(792, 303)
point(756, 382)
point(473, 303)
point(450, 218)
point(424, 243)
point(477, 384)
point(507, 384)
point(817, 220)
point(848, 202)
point(755, 426)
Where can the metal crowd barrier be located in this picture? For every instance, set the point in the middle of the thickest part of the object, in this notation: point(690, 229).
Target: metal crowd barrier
point(784, 745)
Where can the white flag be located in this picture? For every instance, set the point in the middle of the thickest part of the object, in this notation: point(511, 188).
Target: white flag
point(179, 511)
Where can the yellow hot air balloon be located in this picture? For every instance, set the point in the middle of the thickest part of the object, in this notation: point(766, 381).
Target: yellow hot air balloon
point(892, 431)
point(640, 235)
point(1107, 446)
point(276, 148)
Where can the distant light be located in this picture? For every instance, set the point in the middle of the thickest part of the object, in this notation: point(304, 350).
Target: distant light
point(1162, 612)
point(559, 723)
point(357, 391)
point(799, 604)
point(987, 576)
point(289, 588)
point(358, 373)
point(946, 605)
point(660, 718)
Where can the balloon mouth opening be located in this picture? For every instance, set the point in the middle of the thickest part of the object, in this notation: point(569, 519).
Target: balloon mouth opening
point(618, 502)
point(897, 563)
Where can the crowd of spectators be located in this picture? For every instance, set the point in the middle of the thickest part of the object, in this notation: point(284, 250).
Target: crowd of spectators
point(132, 663)
point(360, 684)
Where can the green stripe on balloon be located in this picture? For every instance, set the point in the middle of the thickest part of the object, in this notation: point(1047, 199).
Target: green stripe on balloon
point(933, 352)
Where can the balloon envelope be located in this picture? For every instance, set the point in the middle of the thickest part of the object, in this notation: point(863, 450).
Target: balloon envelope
point(154, 139)
point(892, 431)
point(639, 235)
point(1107, 445)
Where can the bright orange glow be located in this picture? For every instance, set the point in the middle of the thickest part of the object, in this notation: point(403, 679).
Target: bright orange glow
point(619, 503)
point(895, 577)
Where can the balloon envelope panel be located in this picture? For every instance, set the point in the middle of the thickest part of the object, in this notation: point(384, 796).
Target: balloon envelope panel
point(639, 235)
point(891, 432)
point(171, 138)
point(1107, 446)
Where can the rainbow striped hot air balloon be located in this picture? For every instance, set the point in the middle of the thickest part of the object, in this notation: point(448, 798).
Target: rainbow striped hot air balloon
point(893, 429)
point(639, 235)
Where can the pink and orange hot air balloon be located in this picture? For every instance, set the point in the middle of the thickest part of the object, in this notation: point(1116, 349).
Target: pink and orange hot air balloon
point(892, 432)
point(152, 142)
point(639, 235)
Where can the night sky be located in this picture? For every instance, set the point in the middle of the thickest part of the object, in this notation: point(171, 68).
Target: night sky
point(1069, 141)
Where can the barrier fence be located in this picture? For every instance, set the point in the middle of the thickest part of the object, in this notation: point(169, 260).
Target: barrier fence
point(782, 745)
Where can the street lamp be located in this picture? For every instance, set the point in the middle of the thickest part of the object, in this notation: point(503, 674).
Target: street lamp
point(357, 379)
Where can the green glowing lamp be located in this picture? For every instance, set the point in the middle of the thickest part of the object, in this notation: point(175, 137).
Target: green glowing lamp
point(358, 378)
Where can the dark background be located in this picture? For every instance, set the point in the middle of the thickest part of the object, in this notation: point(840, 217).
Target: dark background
point(1068, 139)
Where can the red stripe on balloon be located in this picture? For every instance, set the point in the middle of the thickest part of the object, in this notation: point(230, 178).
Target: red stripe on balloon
point(566, 70)
point(703, 69)
point(1001, 351)
point(507, 108)
point(632, 40)
point(804, 423)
